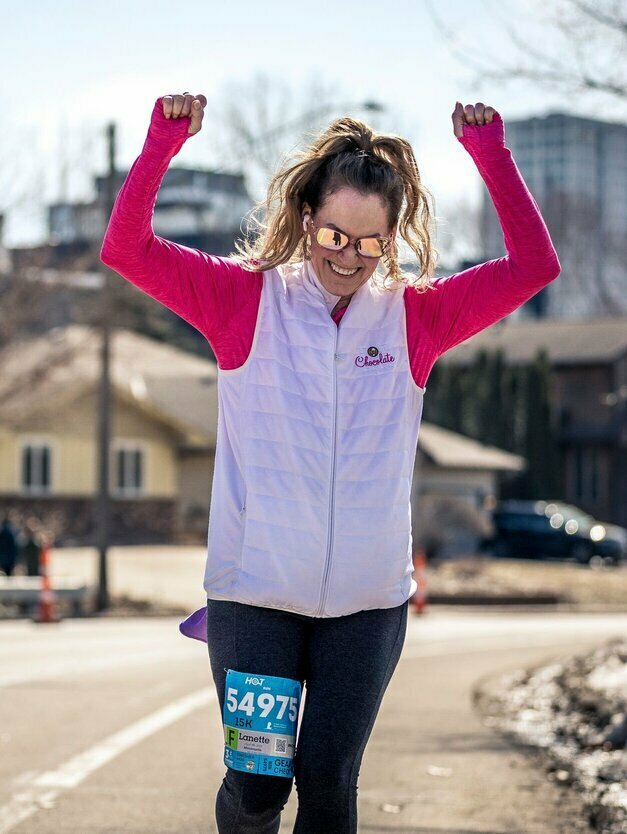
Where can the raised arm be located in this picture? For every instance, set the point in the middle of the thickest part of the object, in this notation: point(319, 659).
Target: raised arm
point(462, 304)
point(205, 290)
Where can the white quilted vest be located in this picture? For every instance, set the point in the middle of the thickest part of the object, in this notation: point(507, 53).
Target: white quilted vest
point(317, 435)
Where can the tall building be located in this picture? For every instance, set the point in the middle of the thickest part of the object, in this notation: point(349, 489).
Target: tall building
point(194, 207)
point(576, 169)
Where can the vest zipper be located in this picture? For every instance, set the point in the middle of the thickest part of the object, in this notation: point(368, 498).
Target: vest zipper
point(327, 564)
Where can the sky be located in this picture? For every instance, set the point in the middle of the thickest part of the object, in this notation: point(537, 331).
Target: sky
point(67, 69)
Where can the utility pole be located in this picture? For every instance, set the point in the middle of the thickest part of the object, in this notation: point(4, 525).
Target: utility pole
point(104, 401)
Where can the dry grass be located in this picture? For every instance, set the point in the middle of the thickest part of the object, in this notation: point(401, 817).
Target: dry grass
point(574, 583)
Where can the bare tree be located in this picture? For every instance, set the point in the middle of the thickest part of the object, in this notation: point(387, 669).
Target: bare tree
point(591, 254)
point(578, 48)
point(575, 48)
point(32, 289)
point(267, 118)
point(459, 231)
point(32, 278)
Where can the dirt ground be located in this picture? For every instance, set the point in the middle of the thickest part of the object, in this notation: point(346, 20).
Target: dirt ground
point(485, 576)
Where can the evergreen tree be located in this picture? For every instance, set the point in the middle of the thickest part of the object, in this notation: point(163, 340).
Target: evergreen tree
point(541, 442)
point(488, 401)
point(442, 405)
point(475, 396)
point(505, 406)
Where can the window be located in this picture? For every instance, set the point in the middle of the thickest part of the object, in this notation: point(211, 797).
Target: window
point(594, 474)
point(578, 473)
point(128, 470)
point(587, 473)
point(35, 467)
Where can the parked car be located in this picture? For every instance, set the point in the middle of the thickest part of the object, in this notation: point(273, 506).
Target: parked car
point(554, 530)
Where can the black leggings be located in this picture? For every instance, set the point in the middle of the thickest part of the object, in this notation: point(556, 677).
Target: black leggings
point(346, 664)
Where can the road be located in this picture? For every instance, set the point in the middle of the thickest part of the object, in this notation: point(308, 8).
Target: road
point(112, 726)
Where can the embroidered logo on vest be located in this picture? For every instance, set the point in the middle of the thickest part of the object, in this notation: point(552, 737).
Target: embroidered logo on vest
point(374, 357)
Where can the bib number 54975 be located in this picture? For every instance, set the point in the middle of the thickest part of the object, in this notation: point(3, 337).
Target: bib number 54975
point(265, 702)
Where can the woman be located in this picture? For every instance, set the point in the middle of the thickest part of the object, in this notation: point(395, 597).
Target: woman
point(324, 349)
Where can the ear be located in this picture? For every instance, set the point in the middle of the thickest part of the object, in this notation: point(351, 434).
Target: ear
point(392, 238)
point(306, 215)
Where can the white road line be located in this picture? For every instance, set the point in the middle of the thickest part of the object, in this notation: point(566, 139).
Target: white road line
point(41, 790)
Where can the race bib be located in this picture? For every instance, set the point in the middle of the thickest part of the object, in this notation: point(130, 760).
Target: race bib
point(260, 721)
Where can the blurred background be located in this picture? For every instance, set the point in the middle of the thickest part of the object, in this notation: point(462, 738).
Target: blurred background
point(533, 408)
point(108, 401)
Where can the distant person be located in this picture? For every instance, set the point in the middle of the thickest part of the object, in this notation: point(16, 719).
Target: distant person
point(324, 347)
point(30, 548)
point(8, 547)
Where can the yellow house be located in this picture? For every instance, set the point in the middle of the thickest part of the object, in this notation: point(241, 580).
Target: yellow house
point(163, 423)
point(164, 418)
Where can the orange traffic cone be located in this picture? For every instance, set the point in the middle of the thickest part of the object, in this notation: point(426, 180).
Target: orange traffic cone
point(46, 612)
point(419, 599)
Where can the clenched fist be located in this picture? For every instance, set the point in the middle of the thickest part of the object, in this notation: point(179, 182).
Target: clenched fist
point(478, 114)
point(178, 106)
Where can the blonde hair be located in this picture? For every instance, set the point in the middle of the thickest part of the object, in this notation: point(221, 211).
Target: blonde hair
point(347, 153)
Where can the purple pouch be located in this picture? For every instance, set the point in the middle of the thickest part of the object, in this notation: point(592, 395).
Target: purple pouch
point(195, 626)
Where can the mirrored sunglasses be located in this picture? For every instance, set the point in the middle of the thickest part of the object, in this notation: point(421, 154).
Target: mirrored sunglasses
point(369, 247)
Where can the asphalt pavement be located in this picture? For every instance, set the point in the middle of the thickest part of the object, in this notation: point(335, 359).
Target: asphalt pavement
point(112, 726)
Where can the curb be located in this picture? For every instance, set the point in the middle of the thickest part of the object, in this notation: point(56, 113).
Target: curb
point(503, 599)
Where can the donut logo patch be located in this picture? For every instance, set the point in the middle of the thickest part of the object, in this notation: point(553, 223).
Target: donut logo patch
point(373, 357)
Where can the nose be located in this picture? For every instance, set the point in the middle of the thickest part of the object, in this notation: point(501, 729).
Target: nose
point(349, 254)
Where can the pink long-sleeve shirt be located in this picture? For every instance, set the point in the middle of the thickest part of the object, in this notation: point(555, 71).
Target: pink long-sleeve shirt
point(220, 298)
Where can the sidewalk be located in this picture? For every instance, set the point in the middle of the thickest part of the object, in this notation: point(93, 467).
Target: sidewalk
point(161, 574)
point(433, 767)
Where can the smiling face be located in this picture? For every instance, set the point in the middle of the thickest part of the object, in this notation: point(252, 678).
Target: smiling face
point(357, 215)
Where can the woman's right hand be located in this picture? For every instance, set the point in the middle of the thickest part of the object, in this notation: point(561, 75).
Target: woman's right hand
point(178, 106)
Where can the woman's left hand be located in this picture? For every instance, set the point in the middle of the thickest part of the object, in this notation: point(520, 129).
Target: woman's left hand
point(477, 114)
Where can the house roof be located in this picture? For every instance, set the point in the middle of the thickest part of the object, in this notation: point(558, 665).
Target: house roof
point(173, 386)
point(191, 402)
point(451, 450)
point(567, 342)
